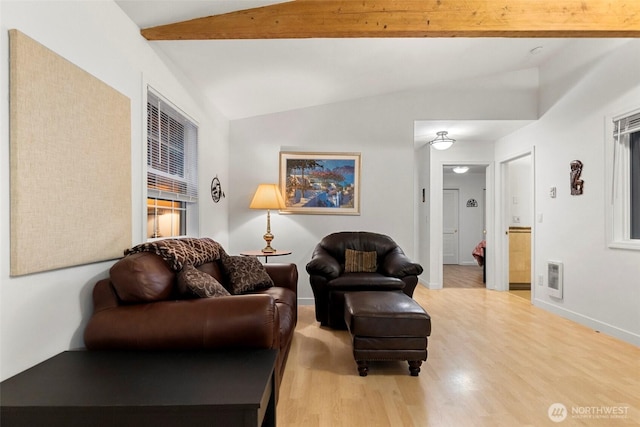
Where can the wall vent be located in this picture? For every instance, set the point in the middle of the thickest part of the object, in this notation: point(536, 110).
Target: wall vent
point(554, 278)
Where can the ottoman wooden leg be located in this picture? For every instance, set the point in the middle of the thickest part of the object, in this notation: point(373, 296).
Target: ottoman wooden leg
point(414, 367)
point(363, 367)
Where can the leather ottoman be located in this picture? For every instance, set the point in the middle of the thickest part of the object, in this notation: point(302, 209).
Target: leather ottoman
point(386, 326)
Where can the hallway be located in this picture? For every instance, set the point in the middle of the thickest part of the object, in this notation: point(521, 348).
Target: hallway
point(470, 276)
point(462, 276)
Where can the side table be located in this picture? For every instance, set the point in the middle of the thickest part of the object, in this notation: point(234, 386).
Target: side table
point(144, 388)
point(266, 256)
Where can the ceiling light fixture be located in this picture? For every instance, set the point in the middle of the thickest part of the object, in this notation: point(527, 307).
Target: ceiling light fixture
point(442, 141)
point(461, 169)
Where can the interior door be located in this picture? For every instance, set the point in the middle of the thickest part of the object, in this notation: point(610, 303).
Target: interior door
point(450, 226)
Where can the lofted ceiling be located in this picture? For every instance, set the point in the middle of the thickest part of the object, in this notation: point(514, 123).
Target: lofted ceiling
point(253, 77)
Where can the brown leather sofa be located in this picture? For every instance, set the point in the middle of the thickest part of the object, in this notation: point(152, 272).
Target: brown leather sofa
point(329, 280)
point(138, 308)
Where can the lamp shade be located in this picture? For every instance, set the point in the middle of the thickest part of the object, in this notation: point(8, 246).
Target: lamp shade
point(267, 196)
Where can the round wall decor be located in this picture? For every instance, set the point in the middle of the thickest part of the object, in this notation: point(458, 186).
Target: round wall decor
point(216, 190)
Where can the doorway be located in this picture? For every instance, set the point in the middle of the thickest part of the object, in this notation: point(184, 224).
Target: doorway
point(463, 224)
point(517, 223)
point(430, 213)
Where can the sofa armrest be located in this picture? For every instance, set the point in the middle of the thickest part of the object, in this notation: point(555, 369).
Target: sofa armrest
point(104, 296)
point(397, 264)
point(238, 321)
point(283, 275)
point(323, 264)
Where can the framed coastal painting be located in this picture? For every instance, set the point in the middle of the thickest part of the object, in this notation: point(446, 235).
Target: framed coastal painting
point(320, 183)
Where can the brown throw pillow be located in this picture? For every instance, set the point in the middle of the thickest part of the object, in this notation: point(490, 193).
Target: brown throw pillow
point(360, 262)
point(246, 274)
point(193, 282)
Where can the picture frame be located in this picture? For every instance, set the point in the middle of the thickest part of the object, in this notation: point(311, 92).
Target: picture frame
point(320, 183)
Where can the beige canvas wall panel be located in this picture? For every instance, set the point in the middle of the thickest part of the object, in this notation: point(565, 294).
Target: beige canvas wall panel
point(70, 154)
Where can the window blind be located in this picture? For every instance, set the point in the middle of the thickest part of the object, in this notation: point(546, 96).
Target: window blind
point(627, 124)
point(172, 146)
point(623, 126)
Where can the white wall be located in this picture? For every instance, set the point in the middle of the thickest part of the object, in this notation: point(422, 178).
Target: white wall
point(381, 128)
point(44, 314)
point(422, 229)
point(387, 174)
point(578, 91)
point(520, 198)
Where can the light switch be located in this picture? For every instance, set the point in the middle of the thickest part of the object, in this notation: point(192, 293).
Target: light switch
point(552, 192)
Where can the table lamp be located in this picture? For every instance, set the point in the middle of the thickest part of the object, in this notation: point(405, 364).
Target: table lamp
point(267, 197)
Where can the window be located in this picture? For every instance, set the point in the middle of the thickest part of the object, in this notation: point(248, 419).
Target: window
point(166, 218)
point(172, 174)
point(624, 212)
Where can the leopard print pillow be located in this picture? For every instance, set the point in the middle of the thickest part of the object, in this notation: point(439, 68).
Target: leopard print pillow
point(246, 274)
point(193, 282)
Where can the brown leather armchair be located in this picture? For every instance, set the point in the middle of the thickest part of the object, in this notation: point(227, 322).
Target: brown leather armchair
point(331, 279)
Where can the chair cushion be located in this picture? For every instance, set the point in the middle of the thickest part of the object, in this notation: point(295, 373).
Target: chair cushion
point(360, 261)
point(337, 243)
point(363, 281)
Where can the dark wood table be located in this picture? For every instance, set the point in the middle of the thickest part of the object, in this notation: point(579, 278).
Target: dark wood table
point(154, 388)
point(266, 256)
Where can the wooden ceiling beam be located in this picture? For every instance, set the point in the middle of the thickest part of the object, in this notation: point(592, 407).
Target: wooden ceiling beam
point(414, 18)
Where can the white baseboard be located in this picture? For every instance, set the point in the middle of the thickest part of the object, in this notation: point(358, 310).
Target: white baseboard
point(429, 285)
point(589, 322)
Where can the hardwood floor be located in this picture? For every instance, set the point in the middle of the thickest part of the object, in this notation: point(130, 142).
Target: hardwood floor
point(462, 276)
point(470, 276)
point(494, 360)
